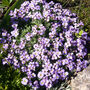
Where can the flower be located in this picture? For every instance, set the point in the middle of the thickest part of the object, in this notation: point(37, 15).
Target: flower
point(4, 33)
point(24, 81)
point(27, 36)
point(15, 33)
point(42, 82)
point(4, 62)
point(40, 75)
point(5, 46)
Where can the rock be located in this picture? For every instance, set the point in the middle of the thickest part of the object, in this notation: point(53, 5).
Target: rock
point(82, 80)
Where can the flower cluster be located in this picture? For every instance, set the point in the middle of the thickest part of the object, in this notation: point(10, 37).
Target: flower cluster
point(50, 48)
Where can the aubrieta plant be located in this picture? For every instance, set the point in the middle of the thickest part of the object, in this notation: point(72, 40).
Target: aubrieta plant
point(46, 43)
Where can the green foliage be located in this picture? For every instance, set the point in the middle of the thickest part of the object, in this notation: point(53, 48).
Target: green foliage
point(2, 6)
point(10, 79)
point(5, 3)
point(79, 34)
point(6, 17)
point(26, 30)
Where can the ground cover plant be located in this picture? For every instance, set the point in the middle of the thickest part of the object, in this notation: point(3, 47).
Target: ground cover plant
point(45, 43)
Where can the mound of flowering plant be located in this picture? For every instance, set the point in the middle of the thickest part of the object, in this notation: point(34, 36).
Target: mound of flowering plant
point(46, 43)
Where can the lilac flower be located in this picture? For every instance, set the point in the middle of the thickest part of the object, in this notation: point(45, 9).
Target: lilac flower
point(32, 56)
point(15, 33)
point(42, 82)
point(84, 35)
point(78, 68)
point(70, 66)
point(69, 56)
point(28, 37)
point(4, 62)
point(14, 26)
point(45, 71)
point(66, 12)
point(65, 61)
point(54, 57)
point(57, 5)
point(80, 54)
point(65, 74)
point(48, 83)
point(4, 33)
point(46, 13)
point(84, 63)
point(32, 6)
point(67, 44)
point(36, 83)
point(40, 75)
point(5, 46)
point(65, 24)
point(27, 57)
point(22, 43)
point(24, 3)
point(23, 69)
point(37, 7)
point(24, 81)
point(37, 16)
point(80, 48)
point(33, 75)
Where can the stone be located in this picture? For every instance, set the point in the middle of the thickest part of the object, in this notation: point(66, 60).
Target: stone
point(82, 80)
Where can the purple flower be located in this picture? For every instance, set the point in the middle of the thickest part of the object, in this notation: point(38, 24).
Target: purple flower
point(5, 46)
point(24, 81)
point(65, 74)
point(84, 63)
point(32, 6)
point(46, 13)
point(42, 82)
point(48, 83)
point(70, 66)
point(65, 61)
point(37, 7)
point(37, 16)
point(14, 25)
point(4, 33)
point(23, 69)
point(40, 75)
point(78, 68)
point(28, 37)
point(84, 35)
point(22, 43)
point(15, 33)
point(4, 62)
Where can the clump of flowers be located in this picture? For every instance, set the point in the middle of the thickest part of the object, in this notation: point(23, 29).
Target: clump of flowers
point(47, 43)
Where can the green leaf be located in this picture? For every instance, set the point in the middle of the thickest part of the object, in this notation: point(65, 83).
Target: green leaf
point(89, 54)
point(10, 1)
point(47, 24)
point(2, 6)
point(6, 17)
point(1, 88)
point(76, 34)
point(5, 2)
point(86, 30)
point(80, 33)
point(36, 22)
point(6, 87)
